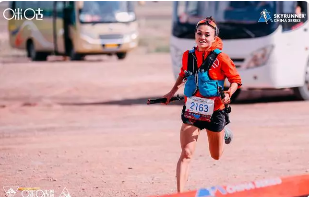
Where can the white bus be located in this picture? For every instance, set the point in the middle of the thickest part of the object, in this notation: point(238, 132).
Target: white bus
point(272, 55)
point(73, 28)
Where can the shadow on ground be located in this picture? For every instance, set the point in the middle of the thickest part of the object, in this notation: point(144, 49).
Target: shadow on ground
point(273, 99)
point(143, 101)
point(135, 101)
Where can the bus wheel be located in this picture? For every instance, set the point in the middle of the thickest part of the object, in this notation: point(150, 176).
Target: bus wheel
point(122, 55)
point(75, 56)
point(72, 53)
point(34, 55)
point(302, 93)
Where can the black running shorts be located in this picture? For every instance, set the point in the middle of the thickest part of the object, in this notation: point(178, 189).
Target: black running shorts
point(217, 123)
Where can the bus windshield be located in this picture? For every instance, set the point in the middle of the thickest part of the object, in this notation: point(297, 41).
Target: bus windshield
point(106, 12)
point(235, 19)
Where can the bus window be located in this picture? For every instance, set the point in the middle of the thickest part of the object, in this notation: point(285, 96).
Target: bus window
point(12, 5)
point(179, 12)
point(67, 12)
point(131, 6)
point(192, 7)
point(294, 7)
point(289, 6)
point(59, 9)
point(30, 4)
point(19, 4)
point(188, 12)
point(301, 8)
point(47, 7)
point(247, 12)
point(106, 12)
point(234, 19)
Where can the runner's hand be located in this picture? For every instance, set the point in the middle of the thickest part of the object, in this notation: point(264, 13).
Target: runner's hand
point(227, 99)
point(168, 97)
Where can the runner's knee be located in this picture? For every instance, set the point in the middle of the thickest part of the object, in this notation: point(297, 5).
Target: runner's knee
point(187, 153)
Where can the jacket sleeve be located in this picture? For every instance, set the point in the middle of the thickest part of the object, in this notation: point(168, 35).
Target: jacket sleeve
point(230, 71)
point(184, 64)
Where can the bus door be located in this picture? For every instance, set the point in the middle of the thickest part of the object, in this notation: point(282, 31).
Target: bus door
point(68, 20)
point(59, 31)
point(14, 25)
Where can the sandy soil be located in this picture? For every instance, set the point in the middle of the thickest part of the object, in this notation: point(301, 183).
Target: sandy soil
point(86, 126)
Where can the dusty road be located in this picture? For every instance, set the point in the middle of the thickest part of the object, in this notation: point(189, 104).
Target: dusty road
point(85, 126)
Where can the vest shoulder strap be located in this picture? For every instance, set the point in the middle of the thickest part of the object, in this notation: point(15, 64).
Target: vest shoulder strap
point(210, 59)
point(192, 63)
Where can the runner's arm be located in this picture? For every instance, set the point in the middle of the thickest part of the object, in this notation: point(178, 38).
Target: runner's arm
point(232, 89)
point(230, 71)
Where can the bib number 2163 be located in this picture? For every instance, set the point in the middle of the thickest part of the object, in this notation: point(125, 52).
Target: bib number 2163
point(200, 105)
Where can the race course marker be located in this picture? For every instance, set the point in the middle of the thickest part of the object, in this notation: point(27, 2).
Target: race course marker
point(294, 186)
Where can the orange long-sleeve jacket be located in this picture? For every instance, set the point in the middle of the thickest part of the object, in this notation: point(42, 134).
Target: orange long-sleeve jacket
point(222, 68)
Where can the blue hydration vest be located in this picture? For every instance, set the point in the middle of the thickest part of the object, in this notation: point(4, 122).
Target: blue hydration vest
point(199, 79)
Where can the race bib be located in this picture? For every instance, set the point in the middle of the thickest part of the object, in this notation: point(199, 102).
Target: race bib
point(199, 108)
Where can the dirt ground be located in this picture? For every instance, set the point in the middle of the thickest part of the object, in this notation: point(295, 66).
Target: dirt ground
point(86, 126)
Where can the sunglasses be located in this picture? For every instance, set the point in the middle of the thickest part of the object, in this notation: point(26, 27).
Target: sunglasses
point(208, 22)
